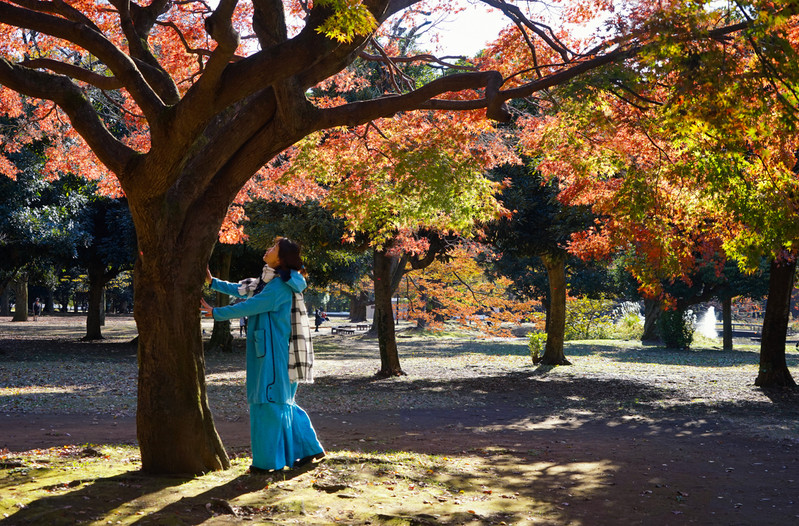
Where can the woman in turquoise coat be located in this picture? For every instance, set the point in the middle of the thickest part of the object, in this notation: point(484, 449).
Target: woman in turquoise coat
point(281, 433)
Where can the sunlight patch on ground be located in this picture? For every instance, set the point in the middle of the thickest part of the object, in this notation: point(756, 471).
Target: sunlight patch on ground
point(102, 485)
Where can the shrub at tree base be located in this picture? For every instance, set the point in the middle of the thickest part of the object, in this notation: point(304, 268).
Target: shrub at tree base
point(536, 341)
point(676, 329)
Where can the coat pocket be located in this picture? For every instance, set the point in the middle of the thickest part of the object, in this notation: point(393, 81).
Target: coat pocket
point(261, 339)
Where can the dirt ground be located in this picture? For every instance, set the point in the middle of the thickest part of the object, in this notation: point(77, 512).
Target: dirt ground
point(665, 437)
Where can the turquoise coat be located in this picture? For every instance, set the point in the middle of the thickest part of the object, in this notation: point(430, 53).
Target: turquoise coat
point(268, 333)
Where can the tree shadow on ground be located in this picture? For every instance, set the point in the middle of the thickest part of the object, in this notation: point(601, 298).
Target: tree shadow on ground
point(99, 498)
point(57, 351)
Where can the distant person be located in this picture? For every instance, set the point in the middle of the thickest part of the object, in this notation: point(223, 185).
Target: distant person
point(279, 357)
point(243, 326)
point(320, 317)
point(37, 309)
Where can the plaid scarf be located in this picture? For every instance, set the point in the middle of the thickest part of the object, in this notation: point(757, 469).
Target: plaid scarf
point(300, 345)
point(248, 286)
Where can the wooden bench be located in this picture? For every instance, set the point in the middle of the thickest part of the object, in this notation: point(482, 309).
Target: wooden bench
point(342, 330)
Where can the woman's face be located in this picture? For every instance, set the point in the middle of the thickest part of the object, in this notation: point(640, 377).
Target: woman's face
point(271, 258)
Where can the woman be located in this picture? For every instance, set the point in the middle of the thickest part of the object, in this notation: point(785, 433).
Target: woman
point(281, 433)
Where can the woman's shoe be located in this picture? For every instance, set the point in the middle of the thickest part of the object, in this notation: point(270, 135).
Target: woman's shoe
point(310, 458)
point(258, 471)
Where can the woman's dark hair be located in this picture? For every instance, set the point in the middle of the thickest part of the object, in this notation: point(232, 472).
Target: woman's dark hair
point(289, 254)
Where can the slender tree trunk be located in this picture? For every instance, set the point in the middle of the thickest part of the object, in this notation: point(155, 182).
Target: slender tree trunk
point(102, 306)
point(773, 366)
point(65, 302)
point(556, 328)
point(384, 316)
point(726, 322)
point(5, 309)
point(221, 338)
point(175, 428)
point(21, 299)
point(94, 315)
point(48, 306)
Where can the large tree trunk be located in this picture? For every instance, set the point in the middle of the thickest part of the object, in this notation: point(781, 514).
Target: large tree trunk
point(221, 338)
point(726, 323)
point(94, 317)
point(556, 328)
point(175, 428)
point(652, 310)
point(384, 315)
point(358, 303)
point(773, 367)
point(21, 299)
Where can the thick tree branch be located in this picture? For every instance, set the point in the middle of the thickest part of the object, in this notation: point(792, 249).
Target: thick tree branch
point(269, 22)
point(71, 99)
point(75, 72)
point(136, 23)
point(220, 26)
point(360, 112)
point(304, 52)
point(58, 7)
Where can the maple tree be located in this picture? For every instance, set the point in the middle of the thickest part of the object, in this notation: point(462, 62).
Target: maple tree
point(409, 184)
point(690, 154)
point(207, 97)
point(459, 289)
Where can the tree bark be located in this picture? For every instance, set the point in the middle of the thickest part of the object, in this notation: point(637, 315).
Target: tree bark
point(773, 366)
point(48, 304)
point(97, 283)
point(20, 299)
point(175, 427)
point(5, 310)
point(652, 309)
point(221, 338)
point(726, 321)
point(556, 328)
point(384, 315)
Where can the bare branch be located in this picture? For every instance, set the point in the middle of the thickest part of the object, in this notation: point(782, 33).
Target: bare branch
point(424, 57)
point(543, 31)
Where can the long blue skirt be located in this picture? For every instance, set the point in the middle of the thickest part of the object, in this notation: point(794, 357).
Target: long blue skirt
point(281, 434)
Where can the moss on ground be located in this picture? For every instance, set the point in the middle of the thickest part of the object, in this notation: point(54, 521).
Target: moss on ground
point(97, 485)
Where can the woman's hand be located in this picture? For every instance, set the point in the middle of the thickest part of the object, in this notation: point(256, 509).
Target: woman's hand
point(206, 309)
point(208, 276)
